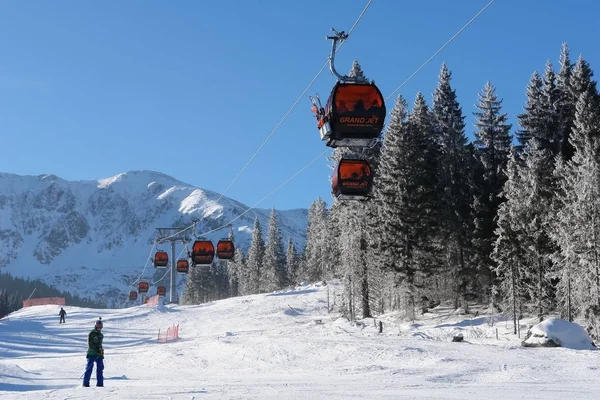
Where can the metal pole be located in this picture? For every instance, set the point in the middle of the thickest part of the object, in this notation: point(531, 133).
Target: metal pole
point(173, 269)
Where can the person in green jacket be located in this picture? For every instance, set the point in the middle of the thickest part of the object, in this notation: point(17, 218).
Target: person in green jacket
point(95, 354)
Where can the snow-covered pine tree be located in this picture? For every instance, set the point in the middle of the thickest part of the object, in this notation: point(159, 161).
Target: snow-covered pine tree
point(454, 185)
point(578, 224)
point(274, 273)
point(492, 150)
point(235, 271)
point(407, 198)
point(582, 82)
point(538, 190)
point(254, 260)
point(534, 113)
point(192, 289)
point(508, 292)
point(566, 103)
point(315, 250)
point(292, 262)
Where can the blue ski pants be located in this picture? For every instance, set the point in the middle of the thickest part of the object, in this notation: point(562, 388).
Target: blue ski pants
point(99, 369)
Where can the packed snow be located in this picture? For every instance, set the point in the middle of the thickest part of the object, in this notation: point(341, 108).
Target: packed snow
point(286, 345)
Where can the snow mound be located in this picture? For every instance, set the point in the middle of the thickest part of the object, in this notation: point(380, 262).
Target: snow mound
point(555, 332)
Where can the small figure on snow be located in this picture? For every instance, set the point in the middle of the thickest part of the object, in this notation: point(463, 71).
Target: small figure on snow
point(62, 314)
point(95, 354)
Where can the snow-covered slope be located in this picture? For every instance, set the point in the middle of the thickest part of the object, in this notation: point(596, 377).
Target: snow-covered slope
point(284, 346)
point(94, 237)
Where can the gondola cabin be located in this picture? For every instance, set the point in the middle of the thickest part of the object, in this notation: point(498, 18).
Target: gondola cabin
point(161, 259)
point(203, 252)
point(143, 287)
point(183, 266)
point(161, 291)
point(353, 116)
point(352, 180)
point(225, 250)
point(133, 295)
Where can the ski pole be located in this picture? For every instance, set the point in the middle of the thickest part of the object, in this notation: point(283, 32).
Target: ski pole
point(92, 366)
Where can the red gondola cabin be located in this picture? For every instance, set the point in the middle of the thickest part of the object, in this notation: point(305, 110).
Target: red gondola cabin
point(183, 266)
point(225, 250)
point(352, 179)
point(161, 259)
point(161, 291)
point(353, 116)
point(143, 287)
point(133, 295)
point(203, 252)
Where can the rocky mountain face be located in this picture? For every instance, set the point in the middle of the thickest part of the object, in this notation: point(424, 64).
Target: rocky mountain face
point(95, 238)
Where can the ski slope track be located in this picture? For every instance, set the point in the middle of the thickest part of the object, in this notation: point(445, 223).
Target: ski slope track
point(284, 345)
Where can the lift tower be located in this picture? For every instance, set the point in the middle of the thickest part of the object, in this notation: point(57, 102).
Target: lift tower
point(173, 236)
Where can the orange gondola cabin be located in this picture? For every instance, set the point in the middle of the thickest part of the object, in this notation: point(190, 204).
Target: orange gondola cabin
point(143, 287)
point(183, 266)
point(203, 252)
point(353, 116)
point(225, 249)
point(161, 291)
point(352, 179)
point(161, 259)
point(133, 295)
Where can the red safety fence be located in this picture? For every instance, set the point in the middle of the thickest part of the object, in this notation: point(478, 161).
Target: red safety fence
point(171, 333)
point(43, 301)
point(151, 301)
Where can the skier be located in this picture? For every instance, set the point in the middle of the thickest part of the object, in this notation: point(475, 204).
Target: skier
point(95, 354)
point(62, 314)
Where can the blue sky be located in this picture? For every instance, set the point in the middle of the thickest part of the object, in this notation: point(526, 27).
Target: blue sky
point(91, 89)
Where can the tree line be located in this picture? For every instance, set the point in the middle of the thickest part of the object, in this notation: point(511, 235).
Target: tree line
point(14, 290)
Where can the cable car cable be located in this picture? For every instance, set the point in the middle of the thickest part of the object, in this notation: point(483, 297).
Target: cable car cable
point(282, 119)
point(268, 195)
point(441, 48)
point(323, 153)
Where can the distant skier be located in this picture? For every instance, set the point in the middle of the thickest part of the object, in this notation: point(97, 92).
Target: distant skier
point(62, 314)
point(95, 353)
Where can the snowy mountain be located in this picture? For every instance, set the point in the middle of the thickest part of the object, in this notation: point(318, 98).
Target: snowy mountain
point(95, 238)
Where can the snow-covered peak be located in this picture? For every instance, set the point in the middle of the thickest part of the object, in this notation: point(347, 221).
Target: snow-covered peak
point(95, 236)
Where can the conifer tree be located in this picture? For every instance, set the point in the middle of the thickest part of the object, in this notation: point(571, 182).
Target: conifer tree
point(534, 113)
point(236, 272)
point(315, 250)
point(274, 275)
point(492, 149)
point(508, 291)
point(578, 222)
point(254, 261)
point(408, 198)
point(566, 103)
point(538, 190)
point(292, 262)
point(454, 184)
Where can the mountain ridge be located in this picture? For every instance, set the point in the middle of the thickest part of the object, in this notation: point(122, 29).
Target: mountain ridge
point(73, 233)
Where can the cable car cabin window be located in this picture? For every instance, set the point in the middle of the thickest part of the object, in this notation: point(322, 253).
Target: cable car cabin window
point(352, 178)
point(225, 250)
point(203, 252)
point(132, 295)
point(161, 291)
point(143, 287)
point(183, 266)
point(161, 259)
point(356, 110)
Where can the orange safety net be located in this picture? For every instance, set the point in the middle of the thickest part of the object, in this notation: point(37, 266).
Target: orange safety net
point(171, 333)
point(43, 301)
